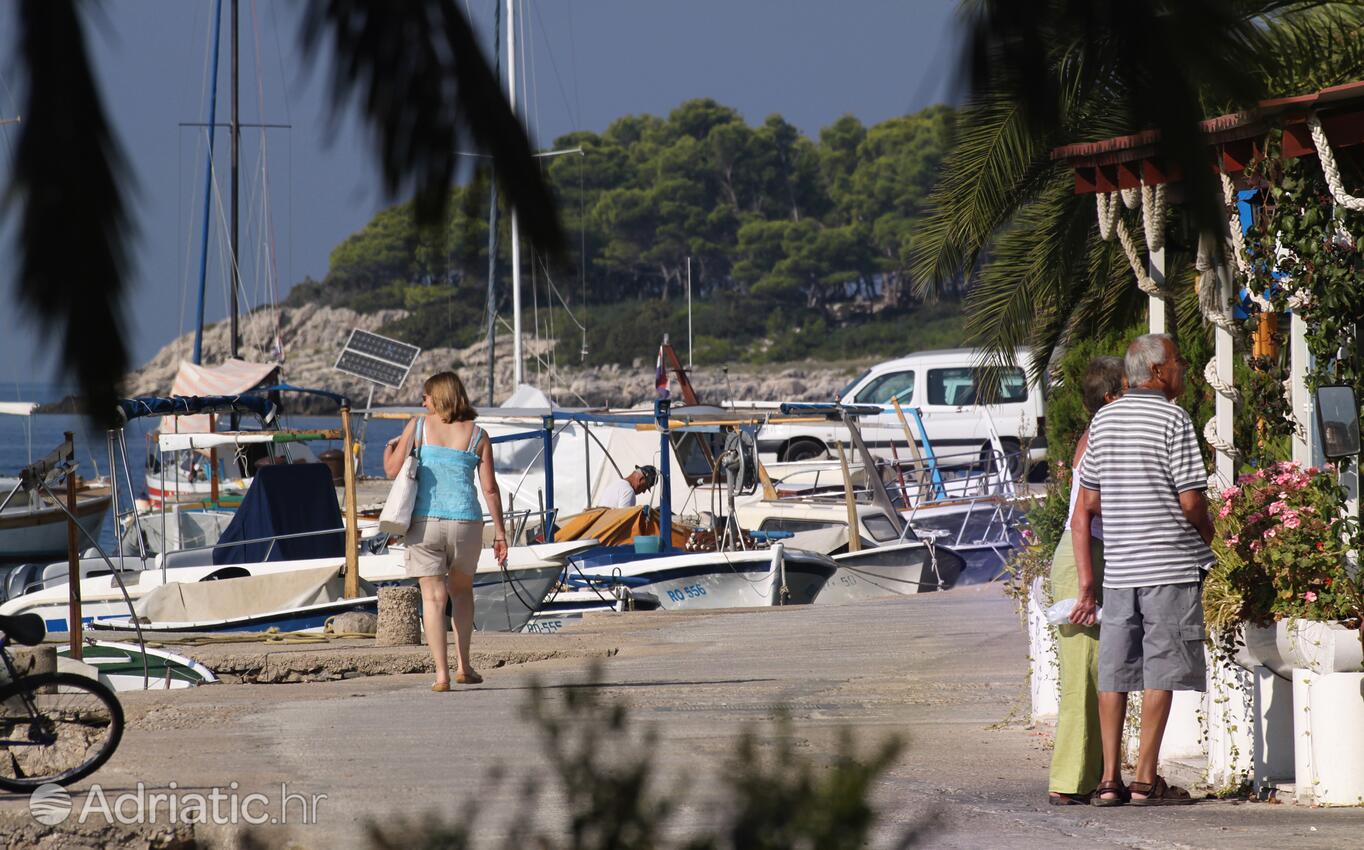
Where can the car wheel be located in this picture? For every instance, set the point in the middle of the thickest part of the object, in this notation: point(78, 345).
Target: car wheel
point(799, 450)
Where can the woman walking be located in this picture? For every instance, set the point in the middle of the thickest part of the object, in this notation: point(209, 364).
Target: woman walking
point(446, 534)
point(1077, 759)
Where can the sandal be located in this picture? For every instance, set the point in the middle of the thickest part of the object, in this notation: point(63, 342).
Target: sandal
point(1160, 793)
point(1110, 786)
point(1059, 798)
point(470, 678)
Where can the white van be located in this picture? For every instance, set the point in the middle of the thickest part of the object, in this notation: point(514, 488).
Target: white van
point(944, 386)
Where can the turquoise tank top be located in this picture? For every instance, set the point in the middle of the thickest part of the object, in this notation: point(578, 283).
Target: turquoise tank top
point(445, 480)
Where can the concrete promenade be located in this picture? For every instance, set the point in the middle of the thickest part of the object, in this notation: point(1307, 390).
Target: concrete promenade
point(947, 670)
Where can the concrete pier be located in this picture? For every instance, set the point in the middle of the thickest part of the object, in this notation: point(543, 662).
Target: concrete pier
point(947, 670)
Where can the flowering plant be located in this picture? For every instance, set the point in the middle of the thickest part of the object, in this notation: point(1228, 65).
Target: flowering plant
point(1281, 540)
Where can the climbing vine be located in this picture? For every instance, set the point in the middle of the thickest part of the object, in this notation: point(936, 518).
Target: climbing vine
point(1308, 256)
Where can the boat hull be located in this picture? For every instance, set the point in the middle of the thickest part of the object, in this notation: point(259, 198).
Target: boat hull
point(897, 570)
point(41, 534)
point(710, 580)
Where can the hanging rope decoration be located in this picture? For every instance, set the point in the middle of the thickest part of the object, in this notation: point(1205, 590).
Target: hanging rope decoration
point(1217, 312)
point(1331, 167)
point(1153, 221)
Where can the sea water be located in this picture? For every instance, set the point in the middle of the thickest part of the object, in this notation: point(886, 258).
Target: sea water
point(24, 439)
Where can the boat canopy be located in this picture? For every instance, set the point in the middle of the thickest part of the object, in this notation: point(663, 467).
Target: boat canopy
point(231, 377)
point(18, 408)
point(134, 408)
point(285, 499)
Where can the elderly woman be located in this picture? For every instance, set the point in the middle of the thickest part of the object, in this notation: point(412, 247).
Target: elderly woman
point(446, 534)
point(1077, 760)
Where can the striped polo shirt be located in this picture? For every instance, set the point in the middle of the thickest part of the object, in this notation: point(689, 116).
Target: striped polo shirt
point(1142, 454)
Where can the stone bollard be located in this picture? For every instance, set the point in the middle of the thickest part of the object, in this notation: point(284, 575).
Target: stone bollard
point(399, 617)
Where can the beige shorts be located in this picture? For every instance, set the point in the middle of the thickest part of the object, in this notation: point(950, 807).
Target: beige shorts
point(436, 546)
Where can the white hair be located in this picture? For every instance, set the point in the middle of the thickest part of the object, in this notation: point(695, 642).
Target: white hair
point(1145, 351)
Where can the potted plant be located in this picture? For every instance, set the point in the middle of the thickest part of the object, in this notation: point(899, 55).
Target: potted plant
point(1282, 572)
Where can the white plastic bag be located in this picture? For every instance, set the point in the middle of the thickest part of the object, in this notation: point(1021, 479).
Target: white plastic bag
point(402, 496)
point(1059, 614)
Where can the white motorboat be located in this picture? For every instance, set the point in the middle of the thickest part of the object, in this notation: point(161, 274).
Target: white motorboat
point(705, 580)
point(32, 523)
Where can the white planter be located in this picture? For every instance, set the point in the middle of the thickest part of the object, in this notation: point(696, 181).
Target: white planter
point(1322, 647)
point(1328, 731)
point(1274, 735)
point(1046, 673)
point(1228, 707)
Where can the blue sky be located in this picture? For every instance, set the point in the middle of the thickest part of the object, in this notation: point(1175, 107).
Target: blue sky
point(587, 63)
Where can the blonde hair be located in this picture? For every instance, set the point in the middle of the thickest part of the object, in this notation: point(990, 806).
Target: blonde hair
point(449, 398)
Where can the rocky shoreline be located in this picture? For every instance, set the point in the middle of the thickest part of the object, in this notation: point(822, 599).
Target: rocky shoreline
point(311, 337)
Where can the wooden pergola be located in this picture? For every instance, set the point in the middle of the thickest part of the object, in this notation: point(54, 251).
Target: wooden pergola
point(1123, 163)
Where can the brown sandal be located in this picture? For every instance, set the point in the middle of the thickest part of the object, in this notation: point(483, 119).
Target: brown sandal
point(1111, 786)
point(1160, 793)
point(470, 678)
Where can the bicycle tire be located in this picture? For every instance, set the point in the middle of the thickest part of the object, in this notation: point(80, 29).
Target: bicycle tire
point(62, 689)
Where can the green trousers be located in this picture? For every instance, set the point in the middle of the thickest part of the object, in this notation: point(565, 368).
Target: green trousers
point(1077, 759)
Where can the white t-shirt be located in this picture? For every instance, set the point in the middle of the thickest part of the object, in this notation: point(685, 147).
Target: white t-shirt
point(617, 494)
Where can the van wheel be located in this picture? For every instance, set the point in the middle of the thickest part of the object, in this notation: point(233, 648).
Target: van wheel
point(805, 449)
point(1013, 453)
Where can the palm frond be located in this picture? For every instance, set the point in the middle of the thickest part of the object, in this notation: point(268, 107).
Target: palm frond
point(427, 91)
point(73, 224)
point(993, 167)
point(1295, 43)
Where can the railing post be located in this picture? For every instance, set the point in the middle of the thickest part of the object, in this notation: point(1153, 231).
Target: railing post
point(352, 584)
point(547, 517)
point(665, 500)
point(73, 555)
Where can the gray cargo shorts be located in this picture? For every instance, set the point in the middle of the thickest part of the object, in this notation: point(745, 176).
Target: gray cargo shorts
point(1152, 638)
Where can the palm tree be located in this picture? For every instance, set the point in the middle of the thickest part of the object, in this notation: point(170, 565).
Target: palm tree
point(1046, 74)
point(421, 83)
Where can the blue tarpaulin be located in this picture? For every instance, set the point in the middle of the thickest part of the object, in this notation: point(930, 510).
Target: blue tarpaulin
point(285, 499)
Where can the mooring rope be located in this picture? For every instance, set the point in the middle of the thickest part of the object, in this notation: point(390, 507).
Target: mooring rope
point(1330, 167)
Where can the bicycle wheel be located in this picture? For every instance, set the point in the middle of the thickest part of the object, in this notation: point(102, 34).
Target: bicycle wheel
point(55, 727)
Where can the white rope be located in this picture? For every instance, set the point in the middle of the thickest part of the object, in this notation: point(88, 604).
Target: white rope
point(1330, 167)
point(1217, 312)
point(1144, 280)
point(1153, 215)
point(1108, 214)
point(1130, 198)
point(1238, 244)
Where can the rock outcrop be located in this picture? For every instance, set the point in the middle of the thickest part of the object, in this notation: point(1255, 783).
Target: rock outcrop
point(311, 337)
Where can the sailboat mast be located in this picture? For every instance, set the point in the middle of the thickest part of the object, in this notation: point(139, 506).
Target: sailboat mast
point(492, 233)
point(198, 353)
point(233, 131)
point(517, 368)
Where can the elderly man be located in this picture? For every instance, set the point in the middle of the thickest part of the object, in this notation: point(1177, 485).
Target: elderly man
point(1144, 465)
point(621, 492)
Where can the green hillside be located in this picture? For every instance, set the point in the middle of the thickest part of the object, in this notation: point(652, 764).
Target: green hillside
point(799, 247)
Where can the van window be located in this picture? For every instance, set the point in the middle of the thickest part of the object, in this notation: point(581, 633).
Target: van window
point(847, 388)
point(960, 386)
point(885, 387)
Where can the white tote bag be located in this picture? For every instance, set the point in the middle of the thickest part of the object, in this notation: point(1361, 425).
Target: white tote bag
point(402, 496)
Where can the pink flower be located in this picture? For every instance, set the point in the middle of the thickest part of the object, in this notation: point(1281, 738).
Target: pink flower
point(1290, 520)
point(1259, 473)
point(1230, 493)
point(1256, 545)
point(1224, 511)
point(1277, 506)
point(1310, 596)
point(1254, 518)
point(1233, 540)
point(1320, 546)
point(1270, 533)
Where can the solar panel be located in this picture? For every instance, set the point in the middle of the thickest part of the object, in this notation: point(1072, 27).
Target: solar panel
point(377, 358)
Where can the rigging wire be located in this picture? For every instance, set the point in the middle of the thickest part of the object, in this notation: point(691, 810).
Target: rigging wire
point(267, 223)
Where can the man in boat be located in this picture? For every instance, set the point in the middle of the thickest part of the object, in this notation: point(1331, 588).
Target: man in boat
point(1143, 464)
point(621, 493)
